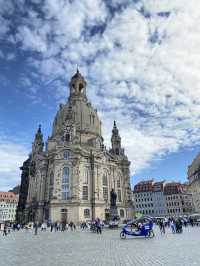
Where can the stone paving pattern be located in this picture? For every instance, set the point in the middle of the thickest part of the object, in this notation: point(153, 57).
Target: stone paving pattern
point(85, 248)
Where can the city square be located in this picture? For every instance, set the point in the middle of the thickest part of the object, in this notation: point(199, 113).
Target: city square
point(79, 248)
point(99, 133)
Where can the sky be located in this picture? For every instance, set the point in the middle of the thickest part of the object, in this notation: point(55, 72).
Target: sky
point(141, 61)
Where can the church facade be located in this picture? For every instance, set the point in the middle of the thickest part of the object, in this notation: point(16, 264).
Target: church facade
point(72, 177)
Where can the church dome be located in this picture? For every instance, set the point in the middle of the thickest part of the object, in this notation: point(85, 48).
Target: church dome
point(78, 111)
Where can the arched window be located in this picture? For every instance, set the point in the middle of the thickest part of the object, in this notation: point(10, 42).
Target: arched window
point(65, 177)
point(65, 184)
point(105, 186)
point(85, 189)
point(86, 213)
point(66, 155)
point(105, 180)
point(86, 176)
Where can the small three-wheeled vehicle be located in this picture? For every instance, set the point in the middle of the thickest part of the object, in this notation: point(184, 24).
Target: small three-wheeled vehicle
point(138, 228)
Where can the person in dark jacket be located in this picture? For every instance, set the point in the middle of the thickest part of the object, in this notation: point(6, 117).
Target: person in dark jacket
point(36, 228)
point(5, 230)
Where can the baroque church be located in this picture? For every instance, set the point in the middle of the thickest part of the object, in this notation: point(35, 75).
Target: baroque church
point(72, 177)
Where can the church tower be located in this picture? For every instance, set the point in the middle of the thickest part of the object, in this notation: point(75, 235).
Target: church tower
point(77, 86)
point(116, 141)
point(38, 144)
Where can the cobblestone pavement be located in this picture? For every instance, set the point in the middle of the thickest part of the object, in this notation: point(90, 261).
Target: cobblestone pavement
point(85, 248)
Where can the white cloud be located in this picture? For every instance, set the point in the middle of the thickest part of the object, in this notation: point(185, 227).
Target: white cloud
point(150, 87)
point(12, 156)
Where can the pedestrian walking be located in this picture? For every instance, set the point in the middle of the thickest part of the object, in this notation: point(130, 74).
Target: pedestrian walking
point(173, 227)
point(98, 226)
point(71, 225)
point(191, 221)
point(51, 227)
point(179, 228)
point(67, 226)
point(36, 228)
point(5, 230)
point(55, 226)
point(162, 226)
point(63, 226)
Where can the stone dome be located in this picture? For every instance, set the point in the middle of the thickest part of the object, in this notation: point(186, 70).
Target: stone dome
point(77, 111)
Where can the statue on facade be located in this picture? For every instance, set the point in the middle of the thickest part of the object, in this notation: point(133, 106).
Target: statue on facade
point(113, 198)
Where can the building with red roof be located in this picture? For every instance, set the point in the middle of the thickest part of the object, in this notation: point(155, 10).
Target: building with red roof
point(8, 205)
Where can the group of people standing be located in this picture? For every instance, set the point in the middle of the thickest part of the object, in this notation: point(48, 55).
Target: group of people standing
point(55, 227)
point(63, 226)
point(7, 228)
point(96, 226)
point(176, 225)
